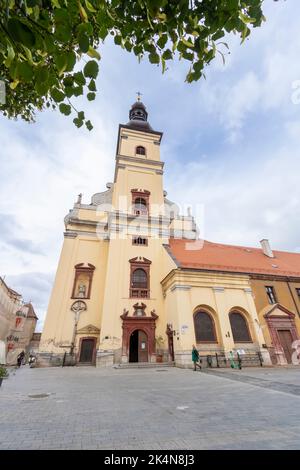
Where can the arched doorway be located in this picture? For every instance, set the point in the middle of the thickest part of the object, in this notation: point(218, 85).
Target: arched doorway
point(138, 346)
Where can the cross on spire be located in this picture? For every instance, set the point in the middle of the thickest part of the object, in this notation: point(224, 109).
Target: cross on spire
point(139, 94)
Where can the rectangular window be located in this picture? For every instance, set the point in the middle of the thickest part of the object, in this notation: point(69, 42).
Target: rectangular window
point(271, 294)
point(298, 291)
point(140, 241)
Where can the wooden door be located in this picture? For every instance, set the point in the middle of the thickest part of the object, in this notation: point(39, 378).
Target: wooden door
point(286, 340)
point(87, 350)
point(142, 347)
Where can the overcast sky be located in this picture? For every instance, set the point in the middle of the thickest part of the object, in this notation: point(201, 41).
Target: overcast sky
point(231, 144)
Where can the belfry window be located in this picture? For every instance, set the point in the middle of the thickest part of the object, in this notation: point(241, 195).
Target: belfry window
point(239, 328)
point(140, 150)
point(140, 206)
point(204, 328)
point(141, 241)
point(140, 201)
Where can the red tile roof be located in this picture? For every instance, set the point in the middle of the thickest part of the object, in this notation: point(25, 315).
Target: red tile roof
point(31, 313)
point(219, 257)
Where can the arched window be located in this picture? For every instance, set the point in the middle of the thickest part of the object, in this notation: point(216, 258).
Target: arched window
point(239, 328)
point(139, 279)
point(140, 206)
point(204, 328)
point(140, 150)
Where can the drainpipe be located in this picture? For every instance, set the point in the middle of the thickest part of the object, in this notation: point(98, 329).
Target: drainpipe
point(295, 303)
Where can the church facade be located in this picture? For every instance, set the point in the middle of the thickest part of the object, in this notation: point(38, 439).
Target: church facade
point(135, 283)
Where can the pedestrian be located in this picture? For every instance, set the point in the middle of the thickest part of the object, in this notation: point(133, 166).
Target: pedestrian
point(195, 358)
point(31, 360)
point(20, 358)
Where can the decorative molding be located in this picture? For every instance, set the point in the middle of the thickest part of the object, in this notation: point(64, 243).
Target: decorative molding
point(78, 306)
point(218, 289)
point(89, 330)
point(70, 234)
point(180, 287)
point(138, 160)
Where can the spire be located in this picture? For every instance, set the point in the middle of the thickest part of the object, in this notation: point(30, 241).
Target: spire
point(138, 115)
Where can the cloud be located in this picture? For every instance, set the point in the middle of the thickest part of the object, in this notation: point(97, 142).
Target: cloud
point(9, 228)
point(35, 288)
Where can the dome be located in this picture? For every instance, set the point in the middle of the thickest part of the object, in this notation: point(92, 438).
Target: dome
point(138, 117)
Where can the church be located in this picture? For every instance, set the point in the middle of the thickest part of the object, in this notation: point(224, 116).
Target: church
point(135, 283)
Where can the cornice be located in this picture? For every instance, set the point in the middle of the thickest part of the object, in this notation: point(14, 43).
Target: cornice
point(139, 160)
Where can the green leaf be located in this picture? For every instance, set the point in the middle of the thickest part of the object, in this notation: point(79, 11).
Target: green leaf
point(61, 62)
point(90, 6)
point(57, 95)
point(91, 69)
point(20, 32)
point(92, 85)
point(89, 125)
point(93, 53)
point(167, 55)
point(91, 96)
point(246, 19)
point(187, 43)
point(162, 41)
point(79, 78)
point(154, 58)
point(24, 72)
point(78, 90)
point(84, 42)
point(218, 35)
point(78, 122)
point(10, 56)
point(71, 61)
point(83, 13)
point(65, 109)
point(118, 40)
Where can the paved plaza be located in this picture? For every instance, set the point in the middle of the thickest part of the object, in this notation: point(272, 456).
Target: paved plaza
point(159, 408)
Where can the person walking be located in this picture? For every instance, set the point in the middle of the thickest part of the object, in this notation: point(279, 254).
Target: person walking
point(31, 360)
point(195, 358)
point(20, 358)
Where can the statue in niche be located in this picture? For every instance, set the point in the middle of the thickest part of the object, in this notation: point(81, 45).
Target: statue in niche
point(81, 291)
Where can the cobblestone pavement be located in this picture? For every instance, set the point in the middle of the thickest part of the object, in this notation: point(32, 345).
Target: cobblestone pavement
point(166, 408)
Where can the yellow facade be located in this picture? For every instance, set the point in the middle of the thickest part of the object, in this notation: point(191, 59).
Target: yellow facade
point(93, 287)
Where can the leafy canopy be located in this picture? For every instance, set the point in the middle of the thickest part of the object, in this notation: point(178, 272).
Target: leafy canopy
point(42, 41)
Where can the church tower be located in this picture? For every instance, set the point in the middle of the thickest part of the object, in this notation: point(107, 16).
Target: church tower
point(107, 303)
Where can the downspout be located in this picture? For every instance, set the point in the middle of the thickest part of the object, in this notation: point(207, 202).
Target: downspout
point(295, 303)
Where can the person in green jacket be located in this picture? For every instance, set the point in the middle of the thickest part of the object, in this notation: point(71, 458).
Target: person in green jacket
point(195, 357)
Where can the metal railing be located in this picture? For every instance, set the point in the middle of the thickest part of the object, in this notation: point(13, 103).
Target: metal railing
point(236, 361)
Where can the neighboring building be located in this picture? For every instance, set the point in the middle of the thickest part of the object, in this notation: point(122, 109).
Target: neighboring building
point(134, 280)
point(35, 343)
point(273, 291)
point(17, 324)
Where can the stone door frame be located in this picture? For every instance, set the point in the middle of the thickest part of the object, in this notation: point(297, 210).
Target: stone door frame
point(147, 325)
point(286, 321)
